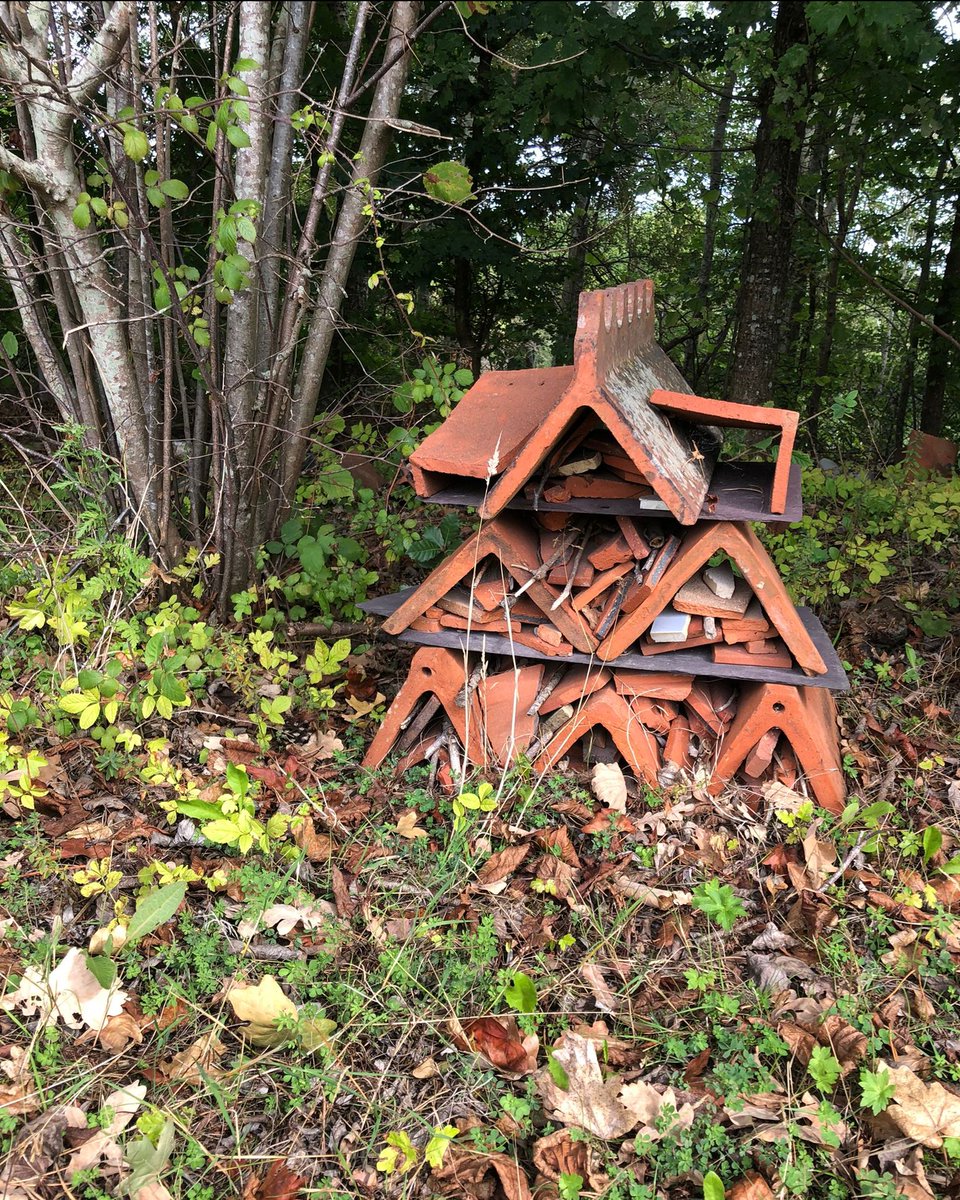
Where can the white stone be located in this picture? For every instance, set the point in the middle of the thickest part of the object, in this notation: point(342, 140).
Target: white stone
point(720, 580)
point(670, 626)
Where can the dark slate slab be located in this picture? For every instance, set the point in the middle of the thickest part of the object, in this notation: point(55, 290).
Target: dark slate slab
point(697, 661)
point(738, 492)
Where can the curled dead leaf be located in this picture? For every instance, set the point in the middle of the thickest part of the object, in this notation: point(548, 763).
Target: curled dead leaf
point(609, 786)
point(498, 1039)
point(926, 1112)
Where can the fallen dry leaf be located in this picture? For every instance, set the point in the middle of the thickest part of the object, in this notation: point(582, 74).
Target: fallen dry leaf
point(926, 1112)
point(407, 825)
point(17, 1095)
point(609, 786)
point(646, 1102)
point(286, 917)
point(277, 1183)
point(29, 1162)
point(589, 1102)
point(318, 847)
point(196, 1063)
point(428, 1069)
point(606, 1001)
point(476, 1174)
point(102, 1147)
point(751, 1187)
point(820, 856)
point(261, 1006)
point(558, 1154)
point(119, 1032)
point(493, 875)
point(71, 992)
point(498, 1040)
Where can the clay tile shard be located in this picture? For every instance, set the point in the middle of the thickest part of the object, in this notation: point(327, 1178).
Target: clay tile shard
point(504, 700)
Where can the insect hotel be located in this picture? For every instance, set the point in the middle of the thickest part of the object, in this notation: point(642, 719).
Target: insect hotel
point(614, 603)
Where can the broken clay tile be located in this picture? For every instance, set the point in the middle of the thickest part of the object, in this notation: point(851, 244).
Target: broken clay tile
point(611, 552)
point(692, 643)
point(655, 714)
point(659, 685)
point(489, 594)
point(600, 585)
point(700, 701)
point(777, 655)
point(560, 576)
point(532, 642)
point(548, 633)
point(761, 756)
point(677, 748)
point(557, 493)
point(696, 597)
point(426, 625)
point(598, 487)
point(610, 711)
point(552, 543)
point(554, 520)
point(807, 719)
point(494, 625)
point(758, 646)
point(504, 700)
point(492, 422)
point(576, 684)
point(741, 545)
point(434, 611)
point(728, 414)
point(437, 672)
point(638, 544)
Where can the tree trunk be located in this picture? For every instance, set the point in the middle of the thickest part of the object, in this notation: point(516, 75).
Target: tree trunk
point(711, 221)
point(762, 301)
point(945, 316)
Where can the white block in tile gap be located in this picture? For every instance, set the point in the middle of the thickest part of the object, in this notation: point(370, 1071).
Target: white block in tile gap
point(709, 627)
point(670, 626)
point(720, 580)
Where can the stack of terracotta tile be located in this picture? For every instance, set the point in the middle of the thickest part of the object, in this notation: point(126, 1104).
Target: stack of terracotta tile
point(613, 544)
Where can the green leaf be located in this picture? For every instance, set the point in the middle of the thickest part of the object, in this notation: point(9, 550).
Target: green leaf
point(189, 122)
point(720, 903)
point(154, 910)
point(81, 216)
point(557, 1073)
point(221, 830)
point(932, 841)
point(176, 189)
point(102, 968)
point(135, 144)
point(238, 137)
point(877, 1090)
point(463, 377)
point(199, 810)
point(713, 1188)
point(246, 64)
point(449, 182)
point(246, 229)
point(88, 678)
point(569, 1185)
point(521, 994)
point(824, 1069)
point(10, 343)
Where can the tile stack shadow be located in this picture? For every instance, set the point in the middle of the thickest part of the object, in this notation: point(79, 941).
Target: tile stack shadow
point(614, 602)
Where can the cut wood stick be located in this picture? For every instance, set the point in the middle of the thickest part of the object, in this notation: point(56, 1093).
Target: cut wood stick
point(548, 728)
point(605, 625)
point(575, 567)
point(418, 724)
point(543, 570)
point(546, 690)
point(470, 686)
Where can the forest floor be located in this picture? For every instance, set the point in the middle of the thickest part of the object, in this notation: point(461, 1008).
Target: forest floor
point(662, 995)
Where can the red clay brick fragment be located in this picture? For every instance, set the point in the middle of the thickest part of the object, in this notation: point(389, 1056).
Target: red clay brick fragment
point(611, 552)
point(576, 684)
point(549, 634)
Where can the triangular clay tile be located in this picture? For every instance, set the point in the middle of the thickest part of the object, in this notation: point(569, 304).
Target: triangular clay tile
point(617, 367)
point(728, 414)
point(807, 718)
point(740, 543)
point(488, 427)
point(438, 673)
point(613, 713)
point(515, 543)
